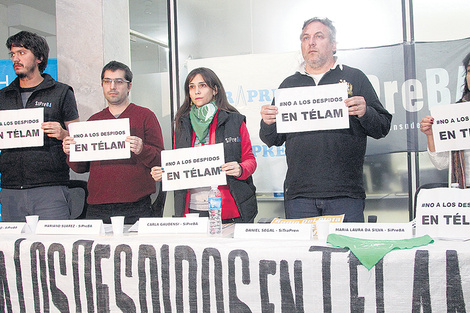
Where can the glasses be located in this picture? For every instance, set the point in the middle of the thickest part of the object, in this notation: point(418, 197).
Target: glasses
point(117, 81)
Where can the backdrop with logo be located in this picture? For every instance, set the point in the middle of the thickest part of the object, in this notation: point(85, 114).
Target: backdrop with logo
point(409, 79)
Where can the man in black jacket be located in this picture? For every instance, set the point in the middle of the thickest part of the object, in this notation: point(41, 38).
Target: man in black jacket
point(34, 179)
point(324, 175)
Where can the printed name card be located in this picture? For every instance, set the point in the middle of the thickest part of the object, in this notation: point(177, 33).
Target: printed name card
point(379, 231)
point(443, 213)
point(21, 128)
point(273, 231)
point(70, 227)
point(12, 228)
point(188, 168)
point(451, 128)
point(100, 140)
point(304, 109)
point(173, 225)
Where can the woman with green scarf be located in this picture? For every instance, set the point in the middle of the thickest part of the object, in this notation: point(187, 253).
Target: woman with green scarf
point(206, 117)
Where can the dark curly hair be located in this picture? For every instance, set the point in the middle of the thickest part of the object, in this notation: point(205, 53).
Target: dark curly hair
point(33, 42)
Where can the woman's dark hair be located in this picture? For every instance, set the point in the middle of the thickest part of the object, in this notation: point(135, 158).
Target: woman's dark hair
point(211, 79)
point(33, 42)
point(466, 91)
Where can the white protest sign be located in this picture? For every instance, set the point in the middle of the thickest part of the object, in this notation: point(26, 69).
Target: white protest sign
point(168, 225)
point(188, 168)
point(70, 227)
point(100, 140)
point(443, 213)
point(21, 128)
point(451, 128)
point(311, 108)
point(382, 231)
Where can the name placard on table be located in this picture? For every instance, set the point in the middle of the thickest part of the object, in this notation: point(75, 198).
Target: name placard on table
point(173, 225)
point(13, 228)
point(379, 231)
point(273, 231)
point(70, 227)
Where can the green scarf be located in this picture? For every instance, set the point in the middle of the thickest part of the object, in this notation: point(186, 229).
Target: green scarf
point(201, 118)
point(369, 251)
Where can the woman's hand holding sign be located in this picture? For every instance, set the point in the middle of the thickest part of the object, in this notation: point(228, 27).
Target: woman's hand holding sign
point(157, 173)
point(232, 169)
point(426, 128)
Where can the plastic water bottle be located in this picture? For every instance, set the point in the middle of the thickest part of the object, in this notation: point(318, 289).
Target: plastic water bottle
point(215, 211)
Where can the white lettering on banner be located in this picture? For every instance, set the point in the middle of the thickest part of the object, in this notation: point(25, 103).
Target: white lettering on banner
point(89, 276)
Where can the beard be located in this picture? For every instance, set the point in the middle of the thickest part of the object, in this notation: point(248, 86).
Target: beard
point(318, 62)
point(26, 71)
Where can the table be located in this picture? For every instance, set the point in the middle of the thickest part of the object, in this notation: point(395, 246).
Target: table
point(195, 273)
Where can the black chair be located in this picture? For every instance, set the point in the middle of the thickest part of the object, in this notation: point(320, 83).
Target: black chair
point(78, 197)
point(372, 219)
point(159, 203)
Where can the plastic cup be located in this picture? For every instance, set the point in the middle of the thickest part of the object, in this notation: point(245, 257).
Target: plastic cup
point(118, 224)
point(323, 229)
point(32, 221)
